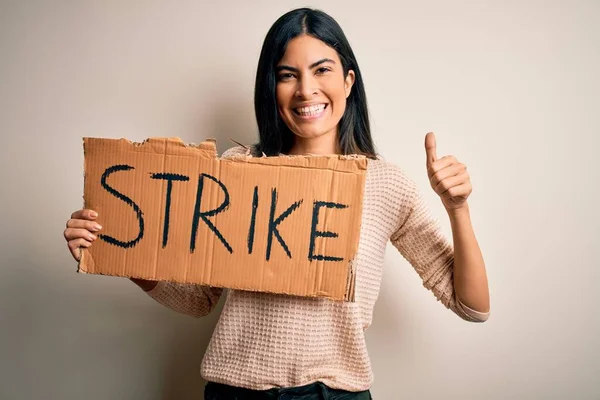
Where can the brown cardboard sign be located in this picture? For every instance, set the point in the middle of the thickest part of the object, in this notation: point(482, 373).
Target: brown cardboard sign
point(177, 212)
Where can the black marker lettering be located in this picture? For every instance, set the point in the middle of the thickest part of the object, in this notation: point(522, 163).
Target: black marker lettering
point(203, 215)
point(120, 196)
point(169, 178)
point(314, 233)
point(274, 222)
point(252, 220)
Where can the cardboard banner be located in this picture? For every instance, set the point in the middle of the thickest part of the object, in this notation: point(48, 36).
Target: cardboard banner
point(179, 213)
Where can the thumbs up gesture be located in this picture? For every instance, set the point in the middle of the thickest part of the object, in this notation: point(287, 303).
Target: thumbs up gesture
point(448, 177)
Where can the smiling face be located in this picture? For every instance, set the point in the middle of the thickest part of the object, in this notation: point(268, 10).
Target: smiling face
point(312, 91)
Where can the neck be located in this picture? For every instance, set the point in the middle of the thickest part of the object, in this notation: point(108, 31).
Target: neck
point(322, 145)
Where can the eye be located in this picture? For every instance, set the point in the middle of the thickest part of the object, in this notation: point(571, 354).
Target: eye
point(285, 76)
point(323, 70)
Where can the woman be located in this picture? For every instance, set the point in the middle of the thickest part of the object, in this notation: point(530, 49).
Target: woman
point(310, 99)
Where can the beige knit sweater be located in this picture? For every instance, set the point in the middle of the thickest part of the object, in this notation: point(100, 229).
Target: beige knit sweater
point(267, 340)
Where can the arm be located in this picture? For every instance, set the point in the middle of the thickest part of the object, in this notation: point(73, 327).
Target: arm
point(421, 242)
point(470, 278)
point(192, 300)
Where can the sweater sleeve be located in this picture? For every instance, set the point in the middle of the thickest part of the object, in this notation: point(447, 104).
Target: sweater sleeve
point(190, 299)
point(420, 240)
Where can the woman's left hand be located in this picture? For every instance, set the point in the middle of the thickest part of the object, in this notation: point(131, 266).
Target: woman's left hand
point(448, 177)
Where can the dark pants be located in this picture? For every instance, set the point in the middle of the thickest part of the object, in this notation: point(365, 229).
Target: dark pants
point(314, 391)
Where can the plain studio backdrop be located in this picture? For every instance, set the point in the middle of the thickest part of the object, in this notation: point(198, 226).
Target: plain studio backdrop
point(511, 88)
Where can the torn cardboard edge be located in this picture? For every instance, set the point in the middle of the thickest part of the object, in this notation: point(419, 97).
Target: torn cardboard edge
point(351, 165)
point(349, 295)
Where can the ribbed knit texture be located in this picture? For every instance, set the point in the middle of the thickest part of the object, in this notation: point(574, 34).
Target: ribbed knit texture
point(265, 340)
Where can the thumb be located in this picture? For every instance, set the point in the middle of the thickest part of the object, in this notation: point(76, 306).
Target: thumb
point(430, 148)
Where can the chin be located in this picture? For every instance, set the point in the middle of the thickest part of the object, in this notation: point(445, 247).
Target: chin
point(309, 135)
point(312, 132)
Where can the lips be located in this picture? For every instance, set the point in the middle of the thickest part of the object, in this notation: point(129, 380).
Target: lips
point(310, 111)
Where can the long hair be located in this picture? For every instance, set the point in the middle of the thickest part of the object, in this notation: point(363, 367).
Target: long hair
point(274, 136)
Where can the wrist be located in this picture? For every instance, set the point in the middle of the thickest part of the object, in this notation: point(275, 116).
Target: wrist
point(459, 213)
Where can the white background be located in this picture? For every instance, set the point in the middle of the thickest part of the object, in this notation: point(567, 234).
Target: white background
point(511, 88)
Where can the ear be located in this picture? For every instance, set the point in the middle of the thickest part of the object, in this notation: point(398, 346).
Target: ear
point(348, 82)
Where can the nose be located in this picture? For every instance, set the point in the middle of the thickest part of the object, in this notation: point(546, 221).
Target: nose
point(306, 87)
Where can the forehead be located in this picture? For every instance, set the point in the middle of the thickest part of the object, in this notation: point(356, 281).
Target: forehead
point(304, 50)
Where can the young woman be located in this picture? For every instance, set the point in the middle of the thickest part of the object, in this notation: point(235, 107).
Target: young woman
point(310, 99)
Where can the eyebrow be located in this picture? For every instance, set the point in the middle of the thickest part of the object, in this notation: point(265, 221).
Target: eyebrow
point(311, 66)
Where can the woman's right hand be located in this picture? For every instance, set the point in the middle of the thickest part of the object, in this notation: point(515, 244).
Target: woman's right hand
point(80, 231)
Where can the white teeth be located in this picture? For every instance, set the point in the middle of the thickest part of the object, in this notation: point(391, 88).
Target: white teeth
point(312, 110)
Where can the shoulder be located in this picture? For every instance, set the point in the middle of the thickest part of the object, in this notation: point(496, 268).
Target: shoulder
point(389, 194)
point(389, 176)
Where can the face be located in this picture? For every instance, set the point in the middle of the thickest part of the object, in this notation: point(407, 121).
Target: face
point(311, 88)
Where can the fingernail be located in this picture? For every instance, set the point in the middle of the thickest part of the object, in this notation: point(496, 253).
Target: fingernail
point(94, 214)
point(96, 227)
point(92, 237)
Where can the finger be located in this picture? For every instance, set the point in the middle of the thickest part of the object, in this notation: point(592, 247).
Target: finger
point(75, 247)
point(446, 172)
point(430, 148)
point(77, 233)
point(85, 214)
point(459, 192)
point(440, 164)
point(84, 224)
point(451, 182)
